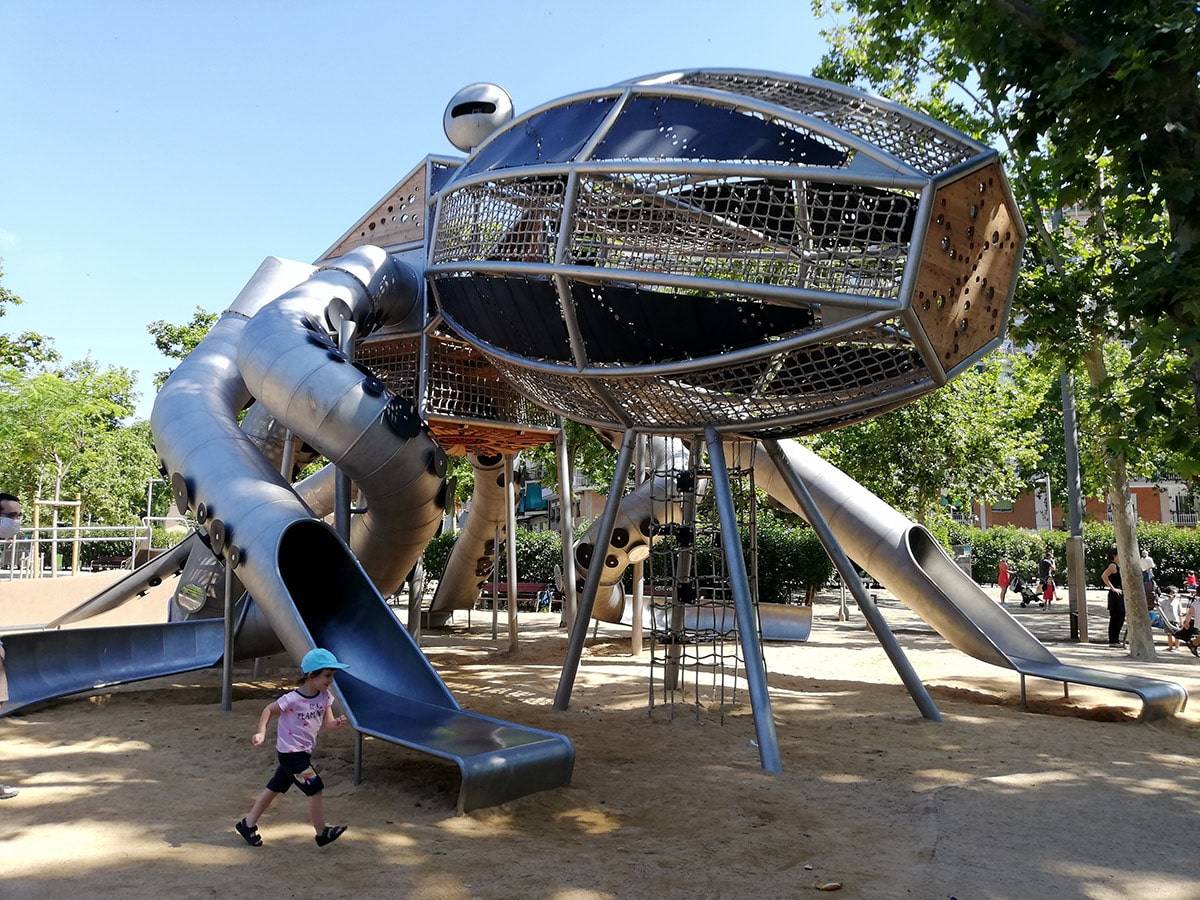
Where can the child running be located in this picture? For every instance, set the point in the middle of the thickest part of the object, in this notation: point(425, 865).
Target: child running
point(302, 713)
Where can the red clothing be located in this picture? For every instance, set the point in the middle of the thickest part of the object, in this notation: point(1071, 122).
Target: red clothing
point(1002, 579)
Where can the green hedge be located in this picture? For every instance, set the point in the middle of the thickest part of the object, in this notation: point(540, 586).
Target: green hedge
point(538, 552)
point(1175, 550)
point(790, 558)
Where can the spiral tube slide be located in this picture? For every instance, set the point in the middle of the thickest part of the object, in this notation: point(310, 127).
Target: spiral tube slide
point(474, 554)
point(308, 588)
point(906, 559)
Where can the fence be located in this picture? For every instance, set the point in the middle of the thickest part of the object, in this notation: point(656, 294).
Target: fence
point(26, 555)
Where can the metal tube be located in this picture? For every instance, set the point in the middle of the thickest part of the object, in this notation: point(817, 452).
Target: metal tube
point(414, 605)
point(883, 633)
point(54, 540)
point(496, 588)
point(602, 538)
point(683, 568)
point(510, 548)
point(341, 489)
point(639, 568)
point(784, 294)
point(35, 560)
point(227, 657)
point(358, 758)
point(288, 460)
point(566, 523)
point(75, 541)
point(756, 669)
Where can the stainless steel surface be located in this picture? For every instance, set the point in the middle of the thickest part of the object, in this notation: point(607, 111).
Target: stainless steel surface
point(876, 621)
point(756, 667)
point(909, 562)
point(510, 549)
point(155, 570)
point(227, 651)
point(566, 529)
point(603, 536)
point(473, 558)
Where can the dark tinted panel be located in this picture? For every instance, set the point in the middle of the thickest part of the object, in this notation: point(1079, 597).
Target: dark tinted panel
point(520, 315)
point(666, 128)
point(555, 135)
point(642, 326)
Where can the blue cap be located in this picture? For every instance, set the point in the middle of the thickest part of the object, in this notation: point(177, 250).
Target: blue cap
point(318, 659)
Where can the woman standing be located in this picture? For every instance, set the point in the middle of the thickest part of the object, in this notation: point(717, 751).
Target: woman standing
point(1111, 579)
point(1003, 578)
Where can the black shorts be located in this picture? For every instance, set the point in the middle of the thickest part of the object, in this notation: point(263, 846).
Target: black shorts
point(296, 768)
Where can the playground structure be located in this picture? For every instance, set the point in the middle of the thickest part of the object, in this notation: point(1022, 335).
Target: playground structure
point(721, 260)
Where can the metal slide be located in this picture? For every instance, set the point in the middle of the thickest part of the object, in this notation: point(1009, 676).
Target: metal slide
point(910, 563)
point(148, 575)
point(309, 588)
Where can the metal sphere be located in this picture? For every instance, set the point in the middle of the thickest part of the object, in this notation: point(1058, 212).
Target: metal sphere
point(474, 113)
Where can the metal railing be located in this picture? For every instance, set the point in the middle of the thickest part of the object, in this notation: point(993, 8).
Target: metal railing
point(22, 556)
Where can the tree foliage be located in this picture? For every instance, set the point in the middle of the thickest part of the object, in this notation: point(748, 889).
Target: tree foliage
point(973, 440)
point(63, 432)
point(20, 351)
point(177, 341)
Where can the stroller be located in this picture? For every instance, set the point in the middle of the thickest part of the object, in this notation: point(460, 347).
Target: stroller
point(1019, 585)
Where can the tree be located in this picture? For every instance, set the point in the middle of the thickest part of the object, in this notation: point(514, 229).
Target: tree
point(22, 350)
point(177, 341)
point(62, 432)
point(972, 440)
point(1101, 118)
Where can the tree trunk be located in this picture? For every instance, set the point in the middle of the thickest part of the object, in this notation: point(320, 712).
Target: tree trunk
point(1141, 639)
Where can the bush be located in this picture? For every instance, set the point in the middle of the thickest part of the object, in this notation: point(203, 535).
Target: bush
point(538, 552)
point(1175, 550)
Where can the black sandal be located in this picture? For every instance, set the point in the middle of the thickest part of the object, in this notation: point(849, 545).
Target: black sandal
point(249, 833)
point(330, 834)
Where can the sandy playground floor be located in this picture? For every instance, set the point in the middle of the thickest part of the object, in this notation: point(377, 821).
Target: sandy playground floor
point(133, 792)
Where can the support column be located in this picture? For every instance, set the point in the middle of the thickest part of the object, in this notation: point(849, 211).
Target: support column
point(1076, 569)
point(808, 507)
point(341, 482)
point(639, 568)
point(566, 523)
point(602, 537)
point(75, 543)
point(739, 583)
point(510, 548)
point(683, 567)
point(227, 656)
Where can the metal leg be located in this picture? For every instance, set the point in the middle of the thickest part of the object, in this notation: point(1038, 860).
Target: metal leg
point(756, 670)
point(683, 569)
point(1066, 690)
point(1024, 699)
point(510, 547)
point(566, 525)
point(414, 609)
point(358, 758)
point(870, 611)
point(602, 537)
point(227, 661)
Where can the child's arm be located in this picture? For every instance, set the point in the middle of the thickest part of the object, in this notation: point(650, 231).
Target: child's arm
point(269, 712)
point(330, 721)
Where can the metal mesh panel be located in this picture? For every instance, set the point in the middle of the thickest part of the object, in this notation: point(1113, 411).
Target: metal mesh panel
point(394, 362)
point(461, 382)
point(798, 234)
point(797, 383)
point(572, 396)
point(510, 221)
point(919, 145)
point(800, 383)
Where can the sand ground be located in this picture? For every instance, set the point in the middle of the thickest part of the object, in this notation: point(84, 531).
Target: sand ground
point(133, 792)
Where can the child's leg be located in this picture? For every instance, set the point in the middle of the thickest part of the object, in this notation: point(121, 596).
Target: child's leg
point(265, 799)
point(316, 812)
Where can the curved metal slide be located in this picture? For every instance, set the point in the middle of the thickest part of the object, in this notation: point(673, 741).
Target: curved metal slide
point(910, 563)
point(309, 588)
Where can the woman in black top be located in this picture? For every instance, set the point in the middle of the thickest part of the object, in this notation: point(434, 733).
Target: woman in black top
point(1111, 579)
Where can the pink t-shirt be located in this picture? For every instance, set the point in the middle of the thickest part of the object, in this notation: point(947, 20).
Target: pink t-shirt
point(299, 721)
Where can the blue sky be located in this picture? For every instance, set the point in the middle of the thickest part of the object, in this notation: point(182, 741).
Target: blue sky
point(154, 153)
